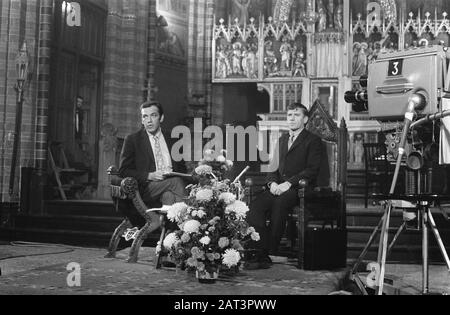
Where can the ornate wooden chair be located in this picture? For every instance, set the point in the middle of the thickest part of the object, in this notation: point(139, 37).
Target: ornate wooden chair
point(377, 169)
point(125, 195)
point(326, 202)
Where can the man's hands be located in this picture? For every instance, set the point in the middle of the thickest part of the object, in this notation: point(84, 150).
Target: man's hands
point(278, 190)
point(156, 176)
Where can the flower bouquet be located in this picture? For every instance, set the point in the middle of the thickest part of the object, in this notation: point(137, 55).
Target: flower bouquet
point(212, 225)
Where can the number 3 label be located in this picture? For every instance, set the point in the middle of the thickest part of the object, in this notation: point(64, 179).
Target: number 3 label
point(395, 68)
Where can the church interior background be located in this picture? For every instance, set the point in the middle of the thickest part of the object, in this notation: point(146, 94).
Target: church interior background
point(232, 62)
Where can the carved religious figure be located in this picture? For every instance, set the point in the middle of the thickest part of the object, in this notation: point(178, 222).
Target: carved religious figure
point(250, 61)
point(285, 50)
point(338, 18)
point(322, 16)
point(359, 59)
point(270, 59)
point(237, 58)
point(299, 65)
point(239, 10)
point(223, 67)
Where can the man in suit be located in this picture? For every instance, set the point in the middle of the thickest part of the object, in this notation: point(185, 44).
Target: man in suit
point(146, 157)
point(299, 156)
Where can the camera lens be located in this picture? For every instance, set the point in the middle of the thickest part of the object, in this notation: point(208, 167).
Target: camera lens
point(356, 97)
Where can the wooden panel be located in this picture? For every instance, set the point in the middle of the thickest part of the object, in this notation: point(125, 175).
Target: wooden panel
point(89, 38)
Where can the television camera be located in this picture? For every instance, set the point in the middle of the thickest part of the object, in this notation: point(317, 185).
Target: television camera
point(411, 89)
point(410, 86)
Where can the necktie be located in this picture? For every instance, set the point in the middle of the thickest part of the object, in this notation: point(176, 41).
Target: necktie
point(160, 165)
point(291, 141)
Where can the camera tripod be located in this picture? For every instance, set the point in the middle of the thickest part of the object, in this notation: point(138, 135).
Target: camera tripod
point(427, 223)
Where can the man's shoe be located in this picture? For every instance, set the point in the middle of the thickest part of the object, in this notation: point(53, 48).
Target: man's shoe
point(263, 262)
point(251, 265)
point(168, 264)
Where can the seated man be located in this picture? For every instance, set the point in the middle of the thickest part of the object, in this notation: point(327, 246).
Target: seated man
point(146, 157)
point(299, 156)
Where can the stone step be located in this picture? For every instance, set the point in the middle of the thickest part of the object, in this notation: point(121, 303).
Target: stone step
point(68, 222)
point(68, 237)
point(81, 208)
point(404, 254)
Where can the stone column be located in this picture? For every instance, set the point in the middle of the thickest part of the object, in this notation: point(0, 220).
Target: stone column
point(43, 77)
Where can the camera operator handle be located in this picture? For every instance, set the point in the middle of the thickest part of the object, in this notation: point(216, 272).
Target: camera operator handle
point(401, 151)
point(417, 101)
point(395, 89)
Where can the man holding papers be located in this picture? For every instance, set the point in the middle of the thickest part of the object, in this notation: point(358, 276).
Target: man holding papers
point(146, 157)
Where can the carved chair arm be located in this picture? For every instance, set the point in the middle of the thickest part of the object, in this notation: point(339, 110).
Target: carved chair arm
point(130, 187)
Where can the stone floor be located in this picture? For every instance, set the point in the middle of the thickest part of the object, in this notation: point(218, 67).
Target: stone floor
point(41, 270)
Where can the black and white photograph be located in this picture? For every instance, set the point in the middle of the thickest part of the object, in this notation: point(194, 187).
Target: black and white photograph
point(225, 155)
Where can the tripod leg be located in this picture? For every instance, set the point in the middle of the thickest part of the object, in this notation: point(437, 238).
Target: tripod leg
point(438, 238)
point(380, 245)
point(369, 244)
point(385, 238)
point(425, 270)
point(400, 230)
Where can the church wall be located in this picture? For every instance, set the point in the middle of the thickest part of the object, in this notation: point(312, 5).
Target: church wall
point(19, 22)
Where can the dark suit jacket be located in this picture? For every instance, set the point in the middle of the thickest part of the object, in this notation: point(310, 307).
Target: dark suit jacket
point(137, 159)
point(302, 161)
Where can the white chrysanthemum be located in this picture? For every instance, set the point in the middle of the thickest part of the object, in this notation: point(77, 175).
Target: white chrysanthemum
point(250, 230)
point(255, 236)
point(170, 240)
point(230, 163)
point(191, 262)
point(221, 159)
point(201, 214)
point(214, 221)
point(239, 208)
point(203, 170)
point(209, 152)
point(228, 198)
point(185, 238)
point(177, 211)
point(205, 240)
point(191, 226)
point(231, 258)
point(224, 242)
point(204, 195)
point(209, 155)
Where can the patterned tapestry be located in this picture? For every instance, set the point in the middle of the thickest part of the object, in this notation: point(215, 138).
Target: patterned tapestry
point(126, 63)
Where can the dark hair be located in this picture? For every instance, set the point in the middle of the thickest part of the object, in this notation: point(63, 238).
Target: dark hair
point(150, 104)
point(295, 106)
